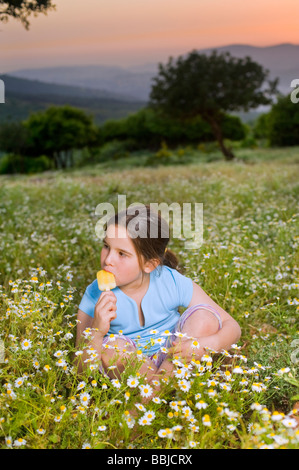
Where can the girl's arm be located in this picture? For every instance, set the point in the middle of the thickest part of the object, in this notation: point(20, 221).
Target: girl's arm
point(230, 331)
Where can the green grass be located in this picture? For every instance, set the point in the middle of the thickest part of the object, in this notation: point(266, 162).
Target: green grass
point(248, 264)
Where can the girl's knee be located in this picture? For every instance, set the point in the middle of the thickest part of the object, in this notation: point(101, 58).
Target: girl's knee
point(201, 323)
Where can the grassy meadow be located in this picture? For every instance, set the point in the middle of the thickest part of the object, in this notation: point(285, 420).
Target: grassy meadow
point(245, 398)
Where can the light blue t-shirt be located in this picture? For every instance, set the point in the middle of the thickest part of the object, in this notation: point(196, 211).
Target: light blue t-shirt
point(168, 290)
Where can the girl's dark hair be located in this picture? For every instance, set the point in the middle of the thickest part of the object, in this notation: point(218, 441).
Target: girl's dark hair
point(149, 233)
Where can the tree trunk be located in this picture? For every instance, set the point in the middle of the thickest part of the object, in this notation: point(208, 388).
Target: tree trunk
point(71, 158)
point(63, 159)
point(56, 160)
point(214, 123)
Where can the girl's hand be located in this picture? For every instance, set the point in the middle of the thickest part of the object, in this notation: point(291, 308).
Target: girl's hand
point(104, 312)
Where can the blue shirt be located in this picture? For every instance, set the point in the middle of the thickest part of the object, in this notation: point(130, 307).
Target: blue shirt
point(168, 290)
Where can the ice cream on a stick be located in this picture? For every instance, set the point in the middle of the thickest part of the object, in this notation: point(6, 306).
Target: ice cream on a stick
point(106, 280)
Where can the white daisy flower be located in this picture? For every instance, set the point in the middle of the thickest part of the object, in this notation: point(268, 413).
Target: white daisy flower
point(289, 422)
point(40, 431)
point(58, 353)
point(201, 405)
point(139, 406)
point(19, 442)
point(145, 390)
point(167, 433)
point(150, 415)
point(86, 445)
point(81, 385)
point(132, 382)
point(116, 383)
point(8, 441)
point(184, 385)
point(143, 421)
point(19, 382)
point(166, 333)
point(84, 398)
point(26, 344)
point(206, 420)
point(102, 428)
point(156, 400)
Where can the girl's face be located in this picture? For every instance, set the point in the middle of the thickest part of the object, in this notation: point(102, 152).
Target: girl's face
point(119, 256)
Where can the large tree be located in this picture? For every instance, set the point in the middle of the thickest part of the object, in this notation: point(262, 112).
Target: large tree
point(22, 9)
point(210, 85)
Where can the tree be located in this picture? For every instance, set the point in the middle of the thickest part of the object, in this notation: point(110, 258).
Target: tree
point(8, 141)
point(57, 132)
point(210, 85)
point(22, 9)
point(261, 126)
point(283, 123)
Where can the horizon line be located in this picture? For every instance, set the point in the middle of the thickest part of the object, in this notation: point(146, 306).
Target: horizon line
point(152, 63)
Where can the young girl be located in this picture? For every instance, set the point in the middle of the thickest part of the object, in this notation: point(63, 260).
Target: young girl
point(145, 303)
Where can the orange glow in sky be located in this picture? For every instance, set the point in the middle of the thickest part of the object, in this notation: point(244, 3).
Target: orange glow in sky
point(125, 32)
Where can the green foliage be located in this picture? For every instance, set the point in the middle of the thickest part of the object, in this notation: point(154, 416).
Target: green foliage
point(13, 138)
point(22, 9)
point(283, 123)
point(295, 382)
point(261, 126)
point(113, 150)
point(163, 156)
point(57, 132)
point(61, 132)
point(148, 128)
point(12, 163)
point(280, 126)
point(232, 128)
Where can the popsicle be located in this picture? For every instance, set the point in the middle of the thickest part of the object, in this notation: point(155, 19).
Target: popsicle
point(106, 280)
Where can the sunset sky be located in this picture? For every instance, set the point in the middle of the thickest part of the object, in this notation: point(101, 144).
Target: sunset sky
point(131, 32)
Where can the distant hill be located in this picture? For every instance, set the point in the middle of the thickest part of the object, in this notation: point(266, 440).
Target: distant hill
point(282, 60)
point(23, 96)
point(133, 84)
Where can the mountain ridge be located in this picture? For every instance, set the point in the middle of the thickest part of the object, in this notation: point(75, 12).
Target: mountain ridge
point(282, 61)
point(24, 96)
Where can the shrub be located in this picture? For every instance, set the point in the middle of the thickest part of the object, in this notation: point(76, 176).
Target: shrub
point(284, 123)
point(113, 150)
point(10, 164)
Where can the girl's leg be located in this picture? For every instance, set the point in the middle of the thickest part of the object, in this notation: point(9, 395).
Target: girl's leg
point(199, 321)
point(117, 354)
